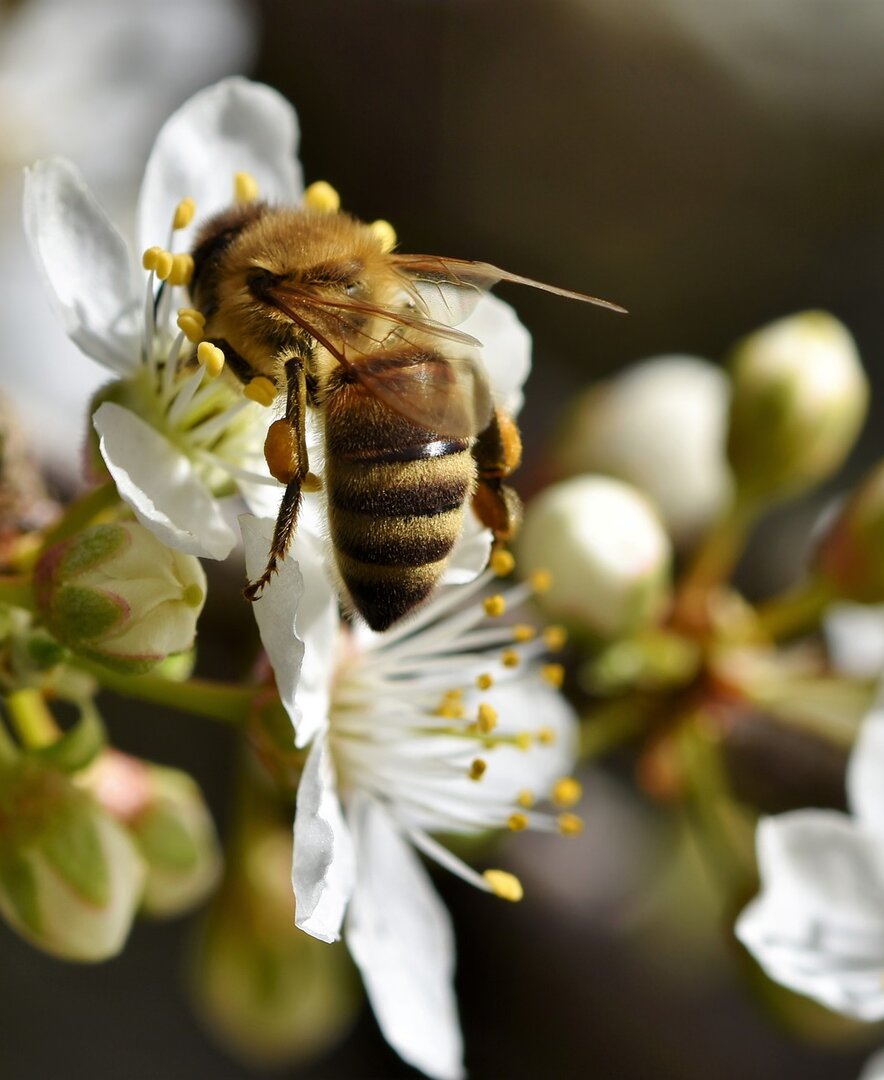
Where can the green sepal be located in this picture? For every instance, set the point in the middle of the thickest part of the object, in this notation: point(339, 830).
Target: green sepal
point(132, 665)
point(84, 614)
point(72, 846)
point(164, 840)
point(79, 746)
point(91, 548)
point(17, 882)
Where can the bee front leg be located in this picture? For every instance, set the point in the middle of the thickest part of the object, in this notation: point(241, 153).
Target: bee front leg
point(498, 452)
point(285, 450)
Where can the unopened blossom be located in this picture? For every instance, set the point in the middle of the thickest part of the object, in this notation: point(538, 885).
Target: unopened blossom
point(660, 426)
point(449, 723)
point(66, 89)
point(817, 924)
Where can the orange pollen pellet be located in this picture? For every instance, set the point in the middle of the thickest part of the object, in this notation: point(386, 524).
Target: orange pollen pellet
point(281, 451)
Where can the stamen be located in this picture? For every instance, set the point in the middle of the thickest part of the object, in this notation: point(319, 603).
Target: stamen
point(546, 736)
point(494, 606)
point(262, 390)
point(567, 791)
point(322, 197)
point(184, 213)
point(554, 674)
point(524, 740)
point(506, 886)
point(523, 633)
point(555, 638)
point(569, 824)
point(525, 799)
point(450, 710)
point(211, 357)
point(477, 768)
point(164, 263)
point(541, 581)
point(245, 187)
point(510, 658)
point(385, 233)
point(150, 256)
point(487, 718)
point(502, 562)
point(517, 822)
point(191, 327)
point(484, 681)
point(182, 270)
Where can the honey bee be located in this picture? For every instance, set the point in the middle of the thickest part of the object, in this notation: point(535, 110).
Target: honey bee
point(318, 305)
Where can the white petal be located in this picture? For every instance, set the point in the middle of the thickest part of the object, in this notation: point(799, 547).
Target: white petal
point(323, 867)
point(506, 349)
point(865, 770)
point(817, 926)
point(160, 485)
point(233, 126)
point(83, 260)
point(855, 637)
point(297, 616)
point(470, 554)
point(874, 1069)
point(399, 934)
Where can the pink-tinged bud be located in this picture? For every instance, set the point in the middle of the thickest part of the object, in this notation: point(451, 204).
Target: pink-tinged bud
point(71, 878)
point(799, 399)
point(116, 595)
point(850, 554)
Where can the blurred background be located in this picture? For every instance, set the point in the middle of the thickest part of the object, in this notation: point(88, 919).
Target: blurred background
point(709, 165)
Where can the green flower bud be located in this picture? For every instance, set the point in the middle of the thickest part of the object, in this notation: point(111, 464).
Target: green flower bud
point(606, 551)
point(799, 400)
point(270, 993)
point(70, 876)
point(660, 426)
point(165, 814)
point(116, 595)
point(850, 554)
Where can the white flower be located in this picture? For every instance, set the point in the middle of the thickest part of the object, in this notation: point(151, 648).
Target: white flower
point(874, 1069)
point(444, 724)
point(91, 80)
point(172, 438)
point(817, 925)
point(855, 639)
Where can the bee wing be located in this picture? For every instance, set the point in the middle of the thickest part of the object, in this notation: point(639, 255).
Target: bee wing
point(445, 394)
point(449, 289)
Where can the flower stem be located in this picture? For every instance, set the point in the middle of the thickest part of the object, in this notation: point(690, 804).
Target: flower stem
point(33, 722)
point(225, 702)
point(82, 513)
point(797, 611)
point(17, 591)
point(8, 750)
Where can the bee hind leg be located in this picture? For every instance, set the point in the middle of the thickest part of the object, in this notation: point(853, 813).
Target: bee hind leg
point(498, 453)
point(285, 450)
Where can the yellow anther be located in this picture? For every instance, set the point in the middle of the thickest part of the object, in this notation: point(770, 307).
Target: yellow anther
point(567, 791)
point(192, 313)
point(184, 212)
point(149, 258)
point(245, 187)
point(262, 390)
point(546, 736)
point(487, 718)
point(451, 710)
point(182, 270)
point(517, 822)
point(211, 357)
point(570, 824)
point(506, 886)
point(311, 482)
point(385, 232)
point(510, 658)
point(192, 330)
point(525, 799)
point(477, 768)
point(541, 581)
point(502, 562)
point(453, 695)
point(321, 196)
point(555, 637)
point(523, 633)
point(554, 674)
point(484, 681)
point(163, 264)
point(524, 740)
point(494, 606)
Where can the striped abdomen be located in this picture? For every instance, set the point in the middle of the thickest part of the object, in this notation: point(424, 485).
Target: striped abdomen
point(396, 495)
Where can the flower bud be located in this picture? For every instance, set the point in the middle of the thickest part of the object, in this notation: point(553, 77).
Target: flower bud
point(116, 595)
point(659, 426)
point(165, 814)
point(850, 554)
point(269, 992)
point(799, 400)
point(70, 876)
point(606, 551)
